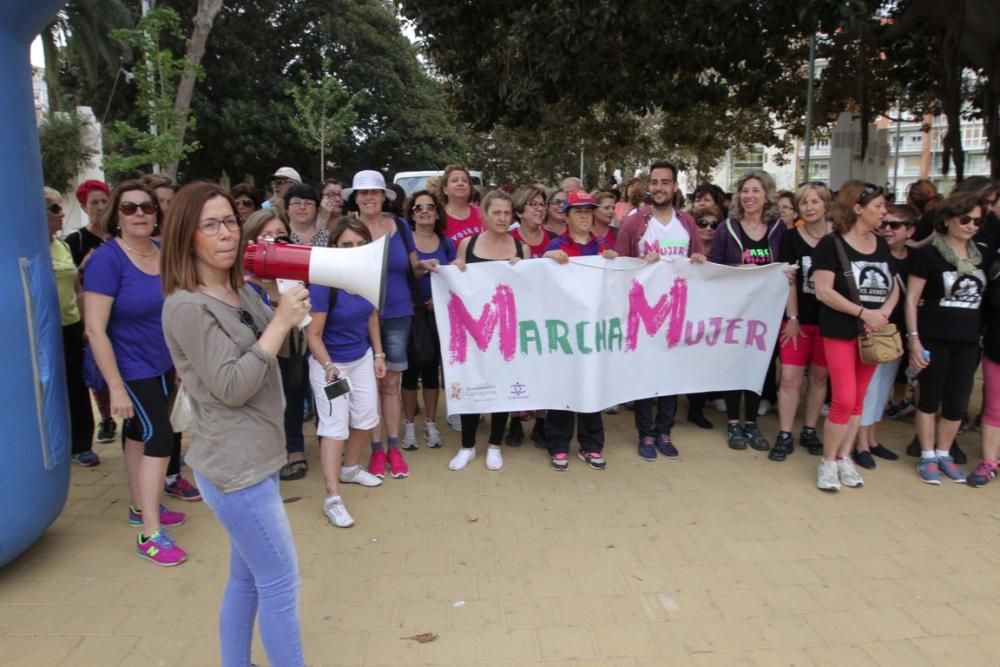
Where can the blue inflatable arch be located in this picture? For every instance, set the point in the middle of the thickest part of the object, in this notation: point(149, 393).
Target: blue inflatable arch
point(34, 414)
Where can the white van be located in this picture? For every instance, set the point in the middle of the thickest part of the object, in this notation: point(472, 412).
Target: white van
point(411, 181)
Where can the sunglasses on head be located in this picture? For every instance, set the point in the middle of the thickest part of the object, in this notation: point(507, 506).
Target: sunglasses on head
point(870, 192)
point(707, 223)
point(966, 219)
point(54, 209)
point(895, 225)
point(130, 208)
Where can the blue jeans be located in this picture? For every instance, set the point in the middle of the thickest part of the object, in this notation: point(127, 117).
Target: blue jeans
point(263, 571)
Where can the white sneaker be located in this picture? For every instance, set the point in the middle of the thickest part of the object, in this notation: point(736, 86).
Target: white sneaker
point(455, 422)
point(719, 404)
point(494, 458)
point(848, 474)
point(432, 436)
point(359, 476)
point(827, 477)
point(337, 513)
point(460, 460)
point(409, 436)
point(764, 407)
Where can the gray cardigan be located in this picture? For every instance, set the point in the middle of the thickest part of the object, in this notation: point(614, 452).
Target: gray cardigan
point(238, 436)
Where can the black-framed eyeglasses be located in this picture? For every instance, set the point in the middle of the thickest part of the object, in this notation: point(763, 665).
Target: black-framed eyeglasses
point(895, 225)
point(707, 223)
point(130, 207)
point(54, 209)
point(870, 192)
point(211, 226)
point(247, 319)
point(966, 219)
point(247, 203)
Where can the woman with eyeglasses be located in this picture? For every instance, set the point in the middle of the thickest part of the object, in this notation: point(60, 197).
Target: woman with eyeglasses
point(494, 244)
point(426, 217)
point(751, 236)
point(301, 203)
point(555, 219)
point(345, 346)
point(123, 303)
point(462, 217)
point(787, 208)
point(331, 205)
point(68, 288)
point(246, 200)
point(897, 228)
point(799, 342)
point(605, 225)
point(857, 216)
point(223, 340)
point(368, 194)
point(529, 209)
point(944, 294)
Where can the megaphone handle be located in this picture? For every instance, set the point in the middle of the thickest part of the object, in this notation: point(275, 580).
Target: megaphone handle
point(283, 286)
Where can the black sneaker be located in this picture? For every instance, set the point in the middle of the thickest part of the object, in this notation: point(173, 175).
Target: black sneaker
point(666, 446)
point(756, 438)
point(957, 454)
point(783, 446)
point(809, 439)
point(913, 449)
point(106, 430)
point(884, 452)
point(700, 421)
point(865, 460)
point(515, 434)
point(735, 436)
point(538, 433)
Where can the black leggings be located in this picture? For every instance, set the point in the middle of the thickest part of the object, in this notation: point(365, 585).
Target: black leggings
point(151, 400)
point(498, 422)
point(947, 382)
point(81, 415)
point(427, 376)
point(751, 401)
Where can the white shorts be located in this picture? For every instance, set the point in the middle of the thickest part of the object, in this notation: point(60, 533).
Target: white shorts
point(356, 409)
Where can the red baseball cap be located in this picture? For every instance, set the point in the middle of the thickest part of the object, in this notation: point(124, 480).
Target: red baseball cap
point(579, 198)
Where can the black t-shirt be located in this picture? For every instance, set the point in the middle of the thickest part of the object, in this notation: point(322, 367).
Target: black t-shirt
point(872, 274)
point(988, 236)
point(794, 249)
point(757, 253)
point(924, 228)
point(81, 242)
point(951, 302)
point(901, 267)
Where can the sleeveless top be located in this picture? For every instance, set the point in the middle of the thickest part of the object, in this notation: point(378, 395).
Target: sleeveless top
point(471, 256)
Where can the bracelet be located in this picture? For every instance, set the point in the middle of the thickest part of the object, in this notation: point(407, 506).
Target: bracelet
point(793, 317)
point(913, 334)
point(328, 365)
point(861, 311)
point(380, 355)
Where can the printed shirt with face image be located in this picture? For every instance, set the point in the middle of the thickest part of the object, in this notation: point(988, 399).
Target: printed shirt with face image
point(951, 308)
point(873, 274)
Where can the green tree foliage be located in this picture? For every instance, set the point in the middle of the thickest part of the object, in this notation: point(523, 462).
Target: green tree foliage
point(324, 111)
point(156, 72)
point(64, 153)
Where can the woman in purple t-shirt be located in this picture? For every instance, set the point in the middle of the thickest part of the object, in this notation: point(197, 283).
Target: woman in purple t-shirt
point(344, 343)
point(123, 302)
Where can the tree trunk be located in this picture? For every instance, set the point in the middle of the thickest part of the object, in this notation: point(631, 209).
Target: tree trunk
point(203, 20)
point(951, 103)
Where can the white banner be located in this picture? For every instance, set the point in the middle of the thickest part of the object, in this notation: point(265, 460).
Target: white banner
point(595, 332)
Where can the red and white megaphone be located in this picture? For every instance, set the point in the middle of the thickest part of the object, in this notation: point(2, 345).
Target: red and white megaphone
point(361, 270)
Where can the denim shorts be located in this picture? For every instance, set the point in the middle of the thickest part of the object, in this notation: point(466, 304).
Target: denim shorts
point(395, 338)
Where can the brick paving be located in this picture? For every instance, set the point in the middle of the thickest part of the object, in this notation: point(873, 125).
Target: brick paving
point(719, 558)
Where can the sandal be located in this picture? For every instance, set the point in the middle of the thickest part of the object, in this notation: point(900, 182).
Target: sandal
point(293, 470)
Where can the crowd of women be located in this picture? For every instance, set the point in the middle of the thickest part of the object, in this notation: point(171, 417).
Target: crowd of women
point(153, 297)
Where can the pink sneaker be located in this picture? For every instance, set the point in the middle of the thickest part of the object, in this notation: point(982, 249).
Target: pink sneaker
point(167, 518)
point(376, 465)
point(160, 548)
point(398, 464)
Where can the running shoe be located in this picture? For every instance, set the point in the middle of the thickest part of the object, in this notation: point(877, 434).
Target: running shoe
point(735, 436)
point(167, 518)
point(783, 446)
point(182, 490)
point(593, 459)
point(397, 464)
point(809, 439)
point(160, 548)
point(462, 458)
point(666, 446)
point(986, 471)
point(848, 474)
point(432, 436)
point(106, 430)
point(359, 476)
point(376, 464)
point(947, 466)
point(494, 458)
point(929, 471)
point(827, 476)
point(647, 448)
point(87, 459)
point(337, 513)
point(560, 462)
point(409, 440)
point(756, 438)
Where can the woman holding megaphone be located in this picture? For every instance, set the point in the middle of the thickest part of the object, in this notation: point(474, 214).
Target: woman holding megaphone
point(224, 342)
point(367, 195)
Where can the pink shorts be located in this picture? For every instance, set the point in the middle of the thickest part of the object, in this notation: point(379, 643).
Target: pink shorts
point(808, 348)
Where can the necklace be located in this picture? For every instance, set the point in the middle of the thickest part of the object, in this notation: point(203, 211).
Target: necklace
point(150, 253)
point(805, 228)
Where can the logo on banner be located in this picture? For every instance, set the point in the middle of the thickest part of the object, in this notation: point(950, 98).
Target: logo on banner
point(518, 390)
point(455, 391)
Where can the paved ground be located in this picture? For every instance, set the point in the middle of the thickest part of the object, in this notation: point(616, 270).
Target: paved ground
point(719, 558)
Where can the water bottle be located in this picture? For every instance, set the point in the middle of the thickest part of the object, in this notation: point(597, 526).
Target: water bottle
point(911, 372)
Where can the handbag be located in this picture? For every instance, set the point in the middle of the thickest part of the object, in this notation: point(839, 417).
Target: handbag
point(422, 347)
point(181, 414)
point(874, 347)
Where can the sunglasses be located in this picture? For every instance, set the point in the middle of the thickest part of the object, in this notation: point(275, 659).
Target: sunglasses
point(966, 219)
point(707, 223)
point(895, 225)
point(130, 208)
point(870, 192)
point(246, 203)
point(54, 209)
point(247, 319)
point(211, 226)
point(424, 207)
point(351, 244)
